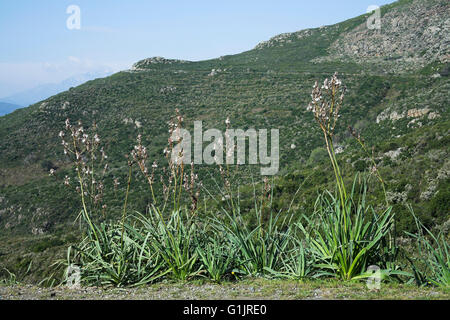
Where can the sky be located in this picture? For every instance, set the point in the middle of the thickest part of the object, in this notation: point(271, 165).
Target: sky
point(40, 41)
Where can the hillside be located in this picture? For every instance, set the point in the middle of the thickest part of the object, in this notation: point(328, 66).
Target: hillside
point(397, 80)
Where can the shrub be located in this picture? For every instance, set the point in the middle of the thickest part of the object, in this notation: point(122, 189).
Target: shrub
point(317, 155)
point(346, 240)
point(46, 165)
point(360, 165)
point(433, 264)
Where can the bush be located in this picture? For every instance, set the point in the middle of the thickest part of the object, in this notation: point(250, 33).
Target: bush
point(360, 165)
point(440, 205)
point(46, 165)
point(346, 240)
point(433, 264)
point(317, 155)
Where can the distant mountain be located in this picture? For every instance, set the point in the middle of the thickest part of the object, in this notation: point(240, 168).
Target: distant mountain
point(6, 108)
point(44, 91)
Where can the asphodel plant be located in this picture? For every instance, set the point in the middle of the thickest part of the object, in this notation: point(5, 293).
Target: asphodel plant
point(89, 159)
point(349, 234)
point(326, 103)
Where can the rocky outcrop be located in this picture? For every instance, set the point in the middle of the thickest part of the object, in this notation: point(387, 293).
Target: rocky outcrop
point(149, 62)
point(417, 113)
point(290, 37)
point(167, 89)
point(411, 113)
point(411, 36)
point(215, 72)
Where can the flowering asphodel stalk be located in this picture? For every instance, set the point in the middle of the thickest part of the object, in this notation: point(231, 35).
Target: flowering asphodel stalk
point(175, 176)
point(88, 158)
point(326, 103)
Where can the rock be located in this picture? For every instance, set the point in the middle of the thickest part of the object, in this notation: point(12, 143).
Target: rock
point(433, 115)
point(417, 113)
point(127, 121)
point(167, 89)
point(146, 63)
point(37, 231)
point(43, 105)
point(414, 124)
point(393, 154)
point(395, 116)
point(411, 36)
point(285, 38)
point(214, 72)
point(397, 197)
point(412, 113)
point(339, 149)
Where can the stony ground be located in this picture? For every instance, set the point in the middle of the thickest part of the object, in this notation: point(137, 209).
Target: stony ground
point(242, 290)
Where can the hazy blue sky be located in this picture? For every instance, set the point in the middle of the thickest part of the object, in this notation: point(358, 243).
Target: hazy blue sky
point(37, 47)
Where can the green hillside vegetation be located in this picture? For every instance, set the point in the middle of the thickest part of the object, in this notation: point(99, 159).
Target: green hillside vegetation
point(399, 107)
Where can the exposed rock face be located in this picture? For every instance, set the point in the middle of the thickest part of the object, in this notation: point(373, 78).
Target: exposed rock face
point(339, 149)
point(417, 113)
point(441, 174)
point(393, 154)
point(411, 113)
point(397, 197)
point(37, 231)
point(167, 89)
point(65, 105)
point(215, 72)
point(433, 115)
point(146, 63)
point(128, 120)
point(410, 37)
point(289, 37)
point(278, 40)
point(137, 123)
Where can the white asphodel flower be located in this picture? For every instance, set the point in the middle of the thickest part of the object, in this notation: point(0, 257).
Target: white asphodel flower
point(66, 181)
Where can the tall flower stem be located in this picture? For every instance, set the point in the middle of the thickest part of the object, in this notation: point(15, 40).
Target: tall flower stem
point(124, 213)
